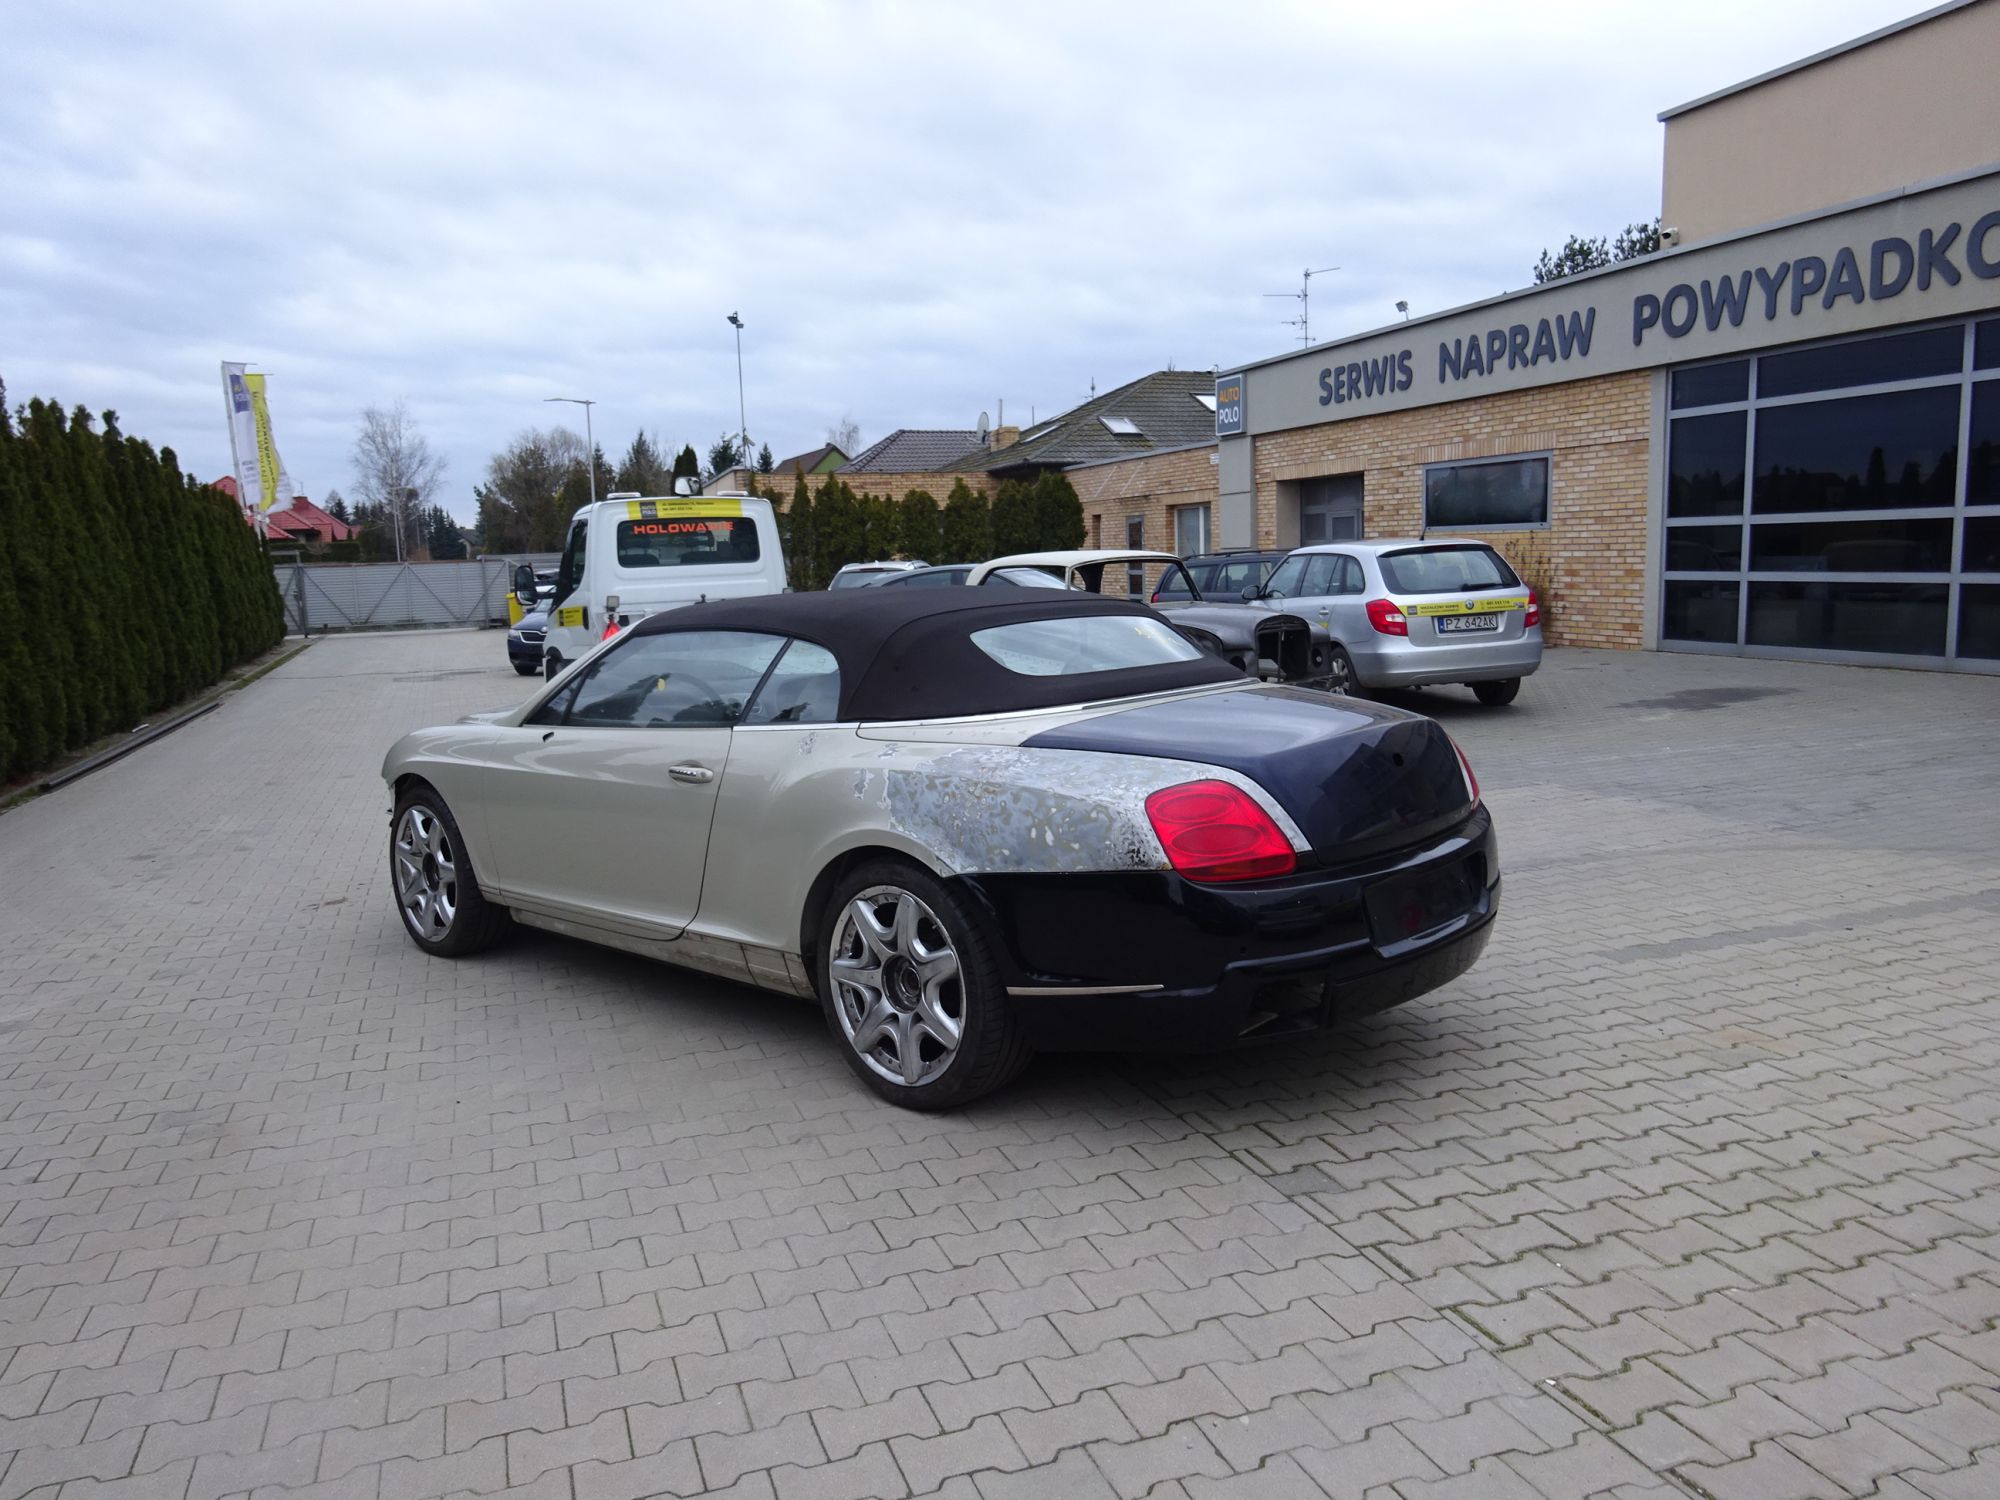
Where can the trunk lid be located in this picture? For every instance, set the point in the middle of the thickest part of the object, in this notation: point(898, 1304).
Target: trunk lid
point(1359, 778)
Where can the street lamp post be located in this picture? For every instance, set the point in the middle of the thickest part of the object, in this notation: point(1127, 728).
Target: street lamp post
point(742, 422)
point(590, 458)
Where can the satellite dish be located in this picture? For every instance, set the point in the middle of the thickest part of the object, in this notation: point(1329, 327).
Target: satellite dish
point(985, 425)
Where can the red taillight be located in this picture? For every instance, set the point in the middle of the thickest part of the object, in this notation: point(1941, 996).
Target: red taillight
point(1213, 831)
point(1156, 596)
point(1534, 608)
point(1471, 781)
point(1387, 617)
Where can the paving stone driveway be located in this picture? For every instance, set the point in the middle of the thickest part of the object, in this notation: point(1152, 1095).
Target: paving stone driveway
point(1691, 1188)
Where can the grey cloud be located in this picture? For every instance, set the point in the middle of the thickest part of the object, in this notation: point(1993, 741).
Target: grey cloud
point(918, 209)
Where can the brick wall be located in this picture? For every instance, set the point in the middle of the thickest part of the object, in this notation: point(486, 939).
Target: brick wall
point(895, 486)
point(1152, 487)
point(1589, 563)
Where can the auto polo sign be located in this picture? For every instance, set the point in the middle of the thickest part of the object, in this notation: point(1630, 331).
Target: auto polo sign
point(1229, 406)
point(1931, 254)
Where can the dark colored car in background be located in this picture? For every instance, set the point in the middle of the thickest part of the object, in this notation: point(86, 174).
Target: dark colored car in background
point(524, 642)
point(1225, 575)
point(952, 575)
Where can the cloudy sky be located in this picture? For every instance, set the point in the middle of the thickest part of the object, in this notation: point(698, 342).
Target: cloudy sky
point(921, 210)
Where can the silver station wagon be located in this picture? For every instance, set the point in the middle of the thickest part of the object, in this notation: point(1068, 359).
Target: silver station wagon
point(1413, 613)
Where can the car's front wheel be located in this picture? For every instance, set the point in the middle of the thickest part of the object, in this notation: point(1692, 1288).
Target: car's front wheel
point(525, 668)
point(437, 895)
point(552, 665)
point(1497, 694)
point(911, 992)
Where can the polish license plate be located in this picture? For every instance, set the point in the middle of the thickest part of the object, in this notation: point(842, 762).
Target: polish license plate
point(1405, 909)
point(1466, 624)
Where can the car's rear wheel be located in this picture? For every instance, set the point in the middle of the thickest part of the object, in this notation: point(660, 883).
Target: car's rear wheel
point(437, 895)
point(911, 991)
point(1340, 671)
point(1497, 694)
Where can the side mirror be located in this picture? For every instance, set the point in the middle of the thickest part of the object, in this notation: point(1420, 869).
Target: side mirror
point(524, 584)
point(1250, 592)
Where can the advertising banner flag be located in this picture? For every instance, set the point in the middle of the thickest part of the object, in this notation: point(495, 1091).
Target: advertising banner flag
point(261, 481)
point(242, 438)
point(279, 491)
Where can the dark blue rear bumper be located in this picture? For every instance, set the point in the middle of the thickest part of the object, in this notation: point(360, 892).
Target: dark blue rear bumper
point(1210, 966)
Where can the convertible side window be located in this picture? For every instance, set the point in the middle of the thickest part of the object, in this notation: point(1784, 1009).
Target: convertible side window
point(680, 679)
point(803, 688)
point(556, 709)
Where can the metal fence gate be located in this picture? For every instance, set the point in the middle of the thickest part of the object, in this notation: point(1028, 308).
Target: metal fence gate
point(363, 596)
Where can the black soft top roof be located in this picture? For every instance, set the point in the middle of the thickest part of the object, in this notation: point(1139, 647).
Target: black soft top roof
point(908, 653)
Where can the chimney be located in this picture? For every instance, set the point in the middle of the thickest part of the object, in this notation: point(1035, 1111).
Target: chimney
point(1005, 437)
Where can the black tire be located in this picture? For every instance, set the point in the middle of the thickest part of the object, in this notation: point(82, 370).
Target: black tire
point(526, 668)
point(1497, 694)
point(552, 665)
point(1340, 676)
point(990, 1050)
point(457, 919)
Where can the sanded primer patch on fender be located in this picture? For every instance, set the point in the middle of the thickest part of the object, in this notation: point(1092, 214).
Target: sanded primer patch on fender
point(992, 809)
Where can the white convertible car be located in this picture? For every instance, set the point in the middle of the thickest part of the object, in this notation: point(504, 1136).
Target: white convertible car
point(971, 822)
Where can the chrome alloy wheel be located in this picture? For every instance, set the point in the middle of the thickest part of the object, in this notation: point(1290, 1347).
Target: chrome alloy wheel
point(897, 986)
point(426, 873)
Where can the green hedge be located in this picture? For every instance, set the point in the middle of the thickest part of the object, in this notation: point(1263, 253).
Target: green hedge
point(833, 526)
point(124, 586)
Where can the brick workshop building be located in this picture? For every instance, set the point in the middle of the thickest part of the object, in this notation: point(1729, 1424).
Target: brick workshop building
point(1778, 436)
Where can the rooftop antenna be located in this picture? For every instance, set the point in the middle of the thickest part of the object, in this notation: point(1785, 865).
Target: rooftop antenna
point(1303, 322)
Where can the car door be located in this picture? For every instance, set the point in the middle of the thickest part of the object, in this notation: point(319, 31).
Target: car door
point(599, 807)
point(1303, 585)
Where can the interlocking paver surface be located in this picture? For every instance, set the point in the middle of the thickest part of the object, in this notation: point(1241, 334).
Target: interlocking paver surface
point(1691, 1187)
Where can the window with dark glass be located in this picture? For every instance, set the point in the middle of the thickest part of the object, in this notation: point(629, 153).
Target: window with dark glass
point(1982, 545)
point(1700, 610)
point(1880, 546)
point(1897, 356)
point(1986, 345)
point(1462, 569)
point(1712, 385)
point(680, 541)
point(1511, 492)
point(1982, 468)
point(1906, 619)
point(1704, 549)
point(1979, 621)
point(1898, 448)
point(1705, 465)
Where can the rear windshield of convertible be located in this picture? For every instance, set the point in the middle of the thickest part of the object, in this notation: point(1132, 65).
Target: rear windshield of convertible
point(1083, 643)
point(683, 541)
point(1446, 570)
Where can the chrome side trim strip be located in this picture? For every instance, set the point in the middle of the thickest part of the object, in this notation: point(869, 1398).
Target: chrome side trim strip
point(1061, 990)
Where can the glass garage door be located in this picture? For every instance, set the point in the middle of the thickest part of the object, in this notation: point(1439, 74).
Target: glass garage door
point(1839, 501)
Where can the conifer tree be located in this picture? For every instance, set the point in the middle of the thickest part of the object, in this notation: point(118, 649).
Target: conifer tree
point(800, 542)
point(917, 526)
point(966, 533)
point(1016, 526)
